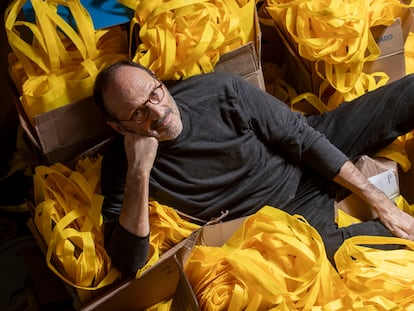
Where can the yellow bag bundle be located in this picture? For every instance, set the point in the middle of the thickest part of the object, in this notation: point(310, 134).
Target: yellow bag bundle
point(384, 279)
point(54, 63)
point(274, 261)
point(68, 217)
point(181, 38)
point(335, 34)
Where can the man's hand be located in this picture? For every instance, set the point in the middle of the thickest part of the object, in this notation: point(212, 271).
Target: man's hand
point(398, 222)
point(140, 151)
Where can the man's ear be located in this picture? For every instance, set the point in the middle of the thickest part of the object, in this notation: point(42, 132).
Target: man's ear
point(116, 126)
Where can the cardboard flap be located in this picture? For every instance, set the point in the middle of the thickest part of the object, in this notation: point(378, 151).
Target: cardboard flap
point(218, 234)
point(69, 125)
point(138, 294)
point(389, 38)
point(68, 131)
point(241, 61)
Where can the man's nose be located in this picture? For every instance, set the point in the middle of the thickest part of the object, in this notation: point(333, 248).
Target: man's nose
point(156, 110)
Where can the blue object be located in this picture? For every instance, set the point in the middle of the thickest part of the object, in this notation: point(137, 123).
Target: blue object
point(104, 13)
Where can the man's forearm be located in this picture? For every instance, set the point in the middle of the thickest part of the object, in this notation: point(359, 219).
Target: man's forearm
point(128, 243)
point(351, 178)
point(397, 221)
point(134, 215)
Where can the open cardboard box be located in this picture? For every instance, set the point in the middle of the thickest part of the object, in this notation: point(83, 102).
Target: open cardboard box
point(245, 61)
point(390, 40)
point(157, 284)
point(215, 234)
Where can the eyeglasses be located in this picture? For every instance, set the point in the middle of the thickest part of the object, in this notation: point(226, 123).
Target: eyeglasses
point(142, 112)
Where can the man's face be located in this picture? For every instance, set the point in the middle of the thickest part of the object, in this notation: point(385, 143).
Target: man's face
point(141, 104)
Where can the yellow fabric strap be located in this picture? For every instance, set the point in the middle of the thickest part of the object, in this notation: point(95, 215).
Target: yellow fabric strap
point(335, 34)
point(273, 260)
point(382, 278)
point(396, 152)
point(68, 217)
point(59, 65)
point(181, 38)
point(409, 53)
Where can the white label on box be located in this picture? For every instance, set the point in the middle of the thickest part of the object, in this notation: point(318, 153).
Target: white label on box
point(386, 182)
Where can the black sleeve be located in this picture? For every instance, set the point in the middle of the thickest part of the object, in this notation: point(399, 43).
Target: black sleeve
point(127, 251)
point(288, 132)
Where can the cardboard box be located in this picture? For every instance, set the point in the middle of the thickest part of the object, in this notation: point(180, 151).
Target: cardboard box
point(381, 172)
point(246, 60)
point(390, 40)
point(211, 235)
point(64, 133)
point(156, 284)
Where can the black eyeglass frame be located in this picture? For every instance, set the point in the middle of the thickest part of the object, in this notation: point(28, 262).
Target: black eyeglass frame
point(153, 98)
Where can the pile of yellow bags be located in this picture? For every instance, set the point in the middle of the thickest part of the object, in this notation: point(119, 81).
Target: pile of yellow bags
point(336, 36)
point(275, 261)
point(54, 63)
point(68, 217)
point(178, 39)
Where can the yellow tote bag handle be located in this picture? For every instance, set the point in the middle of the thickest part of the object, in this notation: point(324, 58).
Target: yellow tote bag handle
point(26, 53)
point(335, 35)
point(273, 259)
point(181, 38)
point(384, 276)
point(68, 216)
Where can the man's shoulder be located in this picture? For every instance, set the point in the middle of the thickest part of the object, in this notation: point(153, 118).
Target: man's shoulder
point(204, 82)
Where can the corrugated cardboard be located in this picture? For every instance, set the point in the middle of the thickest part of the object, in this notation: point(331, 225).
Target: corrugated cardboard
point(384, 174)
point(246, 60)
point(156, 284)
point(390, 41)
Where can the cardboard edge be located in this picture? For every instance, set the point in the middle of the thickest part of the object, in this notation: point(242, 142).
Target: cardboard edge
point(97, 299)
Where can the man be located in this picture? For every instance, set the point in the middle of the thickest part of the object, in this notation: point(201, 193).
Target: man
point(214, 142)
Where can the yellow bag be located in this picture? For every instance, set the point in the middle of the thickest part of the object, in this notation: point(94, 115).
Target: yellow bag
point(68, 217)
point(55, 64)
point(181, 38)
point(336, 36)
point(273, 260)
point(384, 279)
